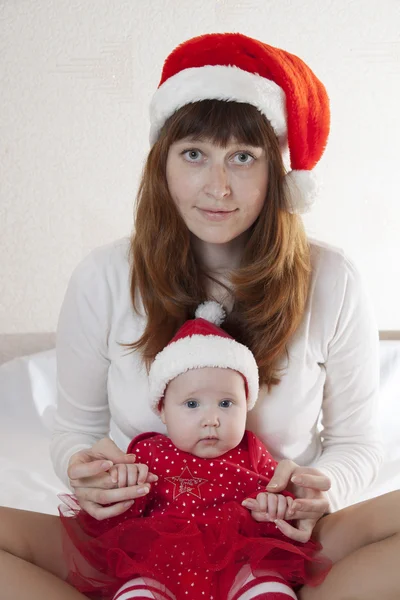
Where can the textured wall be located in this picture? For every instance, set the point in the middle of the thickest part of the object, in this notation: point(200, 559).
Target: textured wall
point(76, 79)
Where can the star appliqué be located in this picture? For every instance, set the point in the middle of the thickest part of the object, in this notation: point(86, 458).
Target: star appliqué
point(186, 484)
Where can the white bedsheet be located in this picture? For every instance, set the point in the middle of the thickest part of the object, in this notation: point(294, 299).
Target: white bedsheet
point(27, 405)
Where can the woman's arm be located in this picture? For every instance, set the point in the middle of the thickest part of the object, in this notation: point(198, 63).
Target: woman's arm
point(82, 416)
point(352, 449)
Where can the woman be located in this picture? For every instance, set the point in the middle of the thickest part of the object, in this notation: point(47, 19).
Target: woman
point(216, 218)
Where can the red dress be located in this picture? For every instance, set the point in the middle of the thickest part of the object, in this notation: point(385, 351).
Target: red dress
point(190, 532)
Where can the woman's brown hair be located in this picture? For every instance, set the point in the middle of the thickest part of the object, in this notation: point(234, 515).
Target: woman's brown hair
point(270, 287)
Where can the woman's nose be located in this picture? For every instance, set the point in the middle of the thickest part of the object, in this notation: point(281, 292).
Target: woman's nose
point(217, 184)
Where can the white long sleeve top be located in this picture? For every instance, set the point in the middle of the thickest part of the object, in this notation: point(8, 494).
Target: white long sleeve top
point(322, 414)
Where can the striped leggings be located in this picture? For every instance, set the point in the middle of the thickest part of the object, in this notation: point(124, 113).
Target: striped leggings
point(267, 587)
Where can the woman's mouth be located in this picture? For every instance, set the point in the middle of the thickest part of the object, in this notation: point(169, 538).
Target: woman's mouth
point(216, 215)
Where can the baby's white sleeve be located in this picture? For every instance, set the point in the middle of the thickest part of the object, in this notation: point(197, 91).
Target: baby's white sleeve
point(82, 416)
point(352, 448)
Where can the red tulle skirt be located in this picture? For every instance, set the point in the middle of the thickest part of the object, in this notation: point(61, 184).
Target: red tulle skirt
point(203, 555)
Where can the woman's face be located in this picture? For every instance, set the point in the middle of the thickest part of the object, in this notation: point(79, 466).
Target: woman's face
point(218, 191)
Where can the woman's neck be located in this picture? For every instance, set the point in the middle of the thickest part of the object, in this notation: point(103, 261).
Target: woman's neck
point(219, 260)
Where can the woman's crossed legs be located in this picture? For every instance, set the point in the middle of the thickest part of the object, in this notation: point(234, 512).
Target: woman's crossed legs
point(363, 541)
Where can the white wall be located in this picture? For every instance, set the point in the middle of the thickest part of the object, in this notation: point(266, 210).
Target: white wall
point(76, 80)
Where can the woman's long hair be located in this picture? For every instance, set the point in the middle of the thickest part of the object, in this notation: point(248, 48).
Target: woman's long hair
point(270, 287)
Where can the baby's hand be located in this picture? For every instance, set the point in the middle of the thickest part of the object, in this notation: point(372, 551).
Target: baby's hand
point(268, 506)
point(125, 475)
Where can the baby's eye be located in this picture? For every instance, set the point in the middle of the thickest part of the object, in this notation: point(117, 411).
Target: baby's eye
point(192, 403)
point(225, 403)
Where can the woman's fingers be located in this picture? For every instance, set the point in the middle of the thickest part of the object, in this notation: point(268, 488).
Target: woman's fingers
point(105, 512)
point(299, 535)
point(87, 467)
point(305, 508)
point(108, 450)
point(101, 496)
point(283, 473)
point(313, 481)
point(103, 480)
point(101, 457)
point(307, 477)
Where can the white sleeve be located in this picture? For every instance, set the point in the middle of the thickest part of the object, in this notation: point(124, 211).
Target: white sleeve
point(82, 415)
point(352, 448)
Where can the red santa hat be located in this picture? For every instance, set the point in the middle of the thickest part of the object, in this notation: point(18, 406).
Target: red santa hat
point(201, 343)
point(237, 68)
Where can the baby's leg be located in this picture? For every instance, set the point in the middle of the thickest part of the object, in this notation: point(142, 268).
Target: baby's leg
point(140, 589)
point(268, 586)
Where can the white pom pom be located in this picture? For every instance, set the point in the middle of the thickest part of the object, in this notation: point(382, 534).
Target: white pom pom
point(211, 311)
point(303, 189)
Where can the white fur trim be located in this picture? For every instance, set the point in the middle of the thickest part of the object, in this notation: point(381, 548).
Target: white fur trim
point(218, 83)
point(211, 311)
point(199, 351)
point(303, 189)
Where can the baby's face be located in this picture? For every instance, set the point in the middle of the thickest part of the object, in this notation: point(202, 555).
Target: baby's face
point(205, 411)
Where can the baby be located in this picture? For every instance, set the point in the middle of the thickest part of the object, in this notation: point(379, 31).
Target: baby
point(191, 532)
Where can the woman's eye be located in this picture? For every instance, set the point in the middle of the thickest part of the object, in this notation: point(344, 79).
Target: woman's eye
point(192, 404)
point(243, 158)
point(191, 155)
point(225, 403)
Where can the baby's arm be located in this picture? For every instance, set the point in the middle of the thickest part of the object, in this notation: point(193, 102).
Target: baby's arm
point(267, 506)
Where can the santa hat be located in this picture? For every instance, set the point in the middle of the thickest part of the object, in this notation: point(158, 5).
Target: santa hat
point(234, 67)
point(201, 343)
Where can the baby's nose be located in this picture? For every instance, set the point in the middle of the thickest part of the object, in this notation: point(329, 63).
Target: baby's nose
point(211, 421)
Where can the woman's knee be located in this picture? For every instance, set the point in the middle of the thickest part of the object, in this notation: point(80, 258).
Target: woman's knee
point(383, 515)
point(33, 537)
point(358, 525)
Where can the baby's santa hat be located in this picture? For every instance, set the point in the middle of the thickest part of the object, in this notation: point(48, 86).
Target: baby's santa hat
point(201, 343)
point(237, 68)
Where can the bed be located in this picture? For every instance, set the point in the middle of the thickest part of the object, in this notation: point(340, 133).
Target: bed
point(27, 406)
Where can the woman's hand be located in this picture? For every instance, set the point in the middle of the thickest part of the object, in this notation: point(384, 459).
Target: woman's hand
point(308, 486)
point(88, 472)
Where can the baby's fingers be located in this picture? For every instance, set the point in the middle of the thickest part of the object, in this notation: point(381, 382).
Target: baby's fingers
point(288, 514)
point(258, 512)
point(272, 505)
point(282, 506)
point(142, 473)
point(132, 475)
point(113, 472)
point(123, 475)
point(118, 474)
